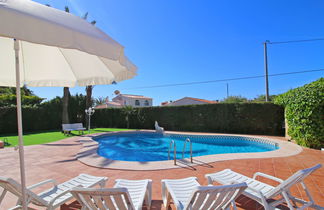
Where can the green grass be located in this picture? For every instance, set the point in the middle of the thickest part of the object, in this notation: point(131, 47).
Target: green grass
point(43, 137)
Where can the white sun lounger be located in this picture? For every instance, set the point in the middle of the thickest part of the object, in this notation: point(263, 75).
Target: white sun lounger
point(262, 192)
point(54, 197)
point(189, 194)
point(126, 195)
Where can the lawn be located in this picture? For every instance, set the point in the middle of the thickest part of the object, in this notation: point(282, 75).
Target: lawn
point(43, 137)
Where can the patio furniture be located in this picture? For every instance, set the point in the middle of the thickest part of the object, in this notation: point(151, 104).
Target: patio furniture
point(126, 194)
point(53, 197)
point(158, 129)
point(58, 51)
point(189, 194)
point(262, 192)
point(67, 128)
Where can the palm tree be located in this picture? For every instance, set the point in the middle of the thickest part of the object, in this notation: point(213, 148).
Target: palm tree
point(66, 95)
point(100, 101)
point(66, 90)
point(128, 111)
point(89, 88)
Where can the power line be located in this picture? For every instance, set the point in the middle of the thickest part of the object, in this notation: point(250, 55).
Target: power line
point(293, 41)
point(224, 80)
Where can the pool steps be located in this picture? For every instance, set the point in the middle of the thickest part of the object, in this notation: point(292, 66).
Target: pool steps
point(172, 142)
point(184, 148)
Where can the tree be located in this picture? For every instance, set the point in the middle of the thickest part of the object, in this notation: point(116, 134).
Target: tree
point(128, 111)
point(100, 101)
point(235, 99)
point(28, 98)
point(66, 90)
point(89, 88)
point(261, 98)
point(66, 95)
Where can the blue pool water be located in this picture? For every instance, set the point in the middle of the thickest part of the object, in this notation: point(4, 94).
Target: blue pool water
point(154, 147)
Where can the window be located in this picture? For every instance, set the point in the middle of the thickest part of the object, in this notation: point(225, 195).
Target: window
point(137, 103)
point(146, 103)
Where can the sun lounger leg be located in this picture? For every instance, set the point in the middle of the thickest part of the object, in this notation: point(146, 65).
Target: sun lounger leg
point(285, 195)
point(3, 195)
point(148, 198)
point(165, 196)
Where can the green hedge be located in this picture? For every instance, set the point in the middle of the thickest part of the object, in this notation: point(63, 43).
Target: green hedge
point(249, 118)
point(47, 116)
point(304, 111)
point(246, 118)
point(34, 119)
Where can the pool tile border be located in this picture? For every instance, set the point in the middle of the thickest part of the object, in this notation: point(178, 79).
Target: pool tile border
point(88, 153)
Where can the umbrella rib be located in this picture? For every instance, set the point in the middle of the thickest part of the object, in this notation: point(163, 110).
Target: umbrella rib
point(69, 65)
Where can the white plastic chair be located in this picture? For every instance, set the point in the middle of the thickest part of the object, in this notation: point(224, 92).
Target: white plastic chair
point(51, 198)
point(189, 194)
point(158, 129)
point(126, 194)
point(262, 192)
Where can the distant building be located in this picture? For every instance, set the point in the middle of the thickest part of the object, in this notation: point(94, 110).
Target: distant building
point(133, 100)
point(126, 100)
point(108, 104)
point(188, 101)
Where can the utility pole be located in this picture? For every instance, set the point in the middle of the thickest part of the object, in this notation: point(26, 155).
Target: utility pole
point(266, 70)
point(227, 90)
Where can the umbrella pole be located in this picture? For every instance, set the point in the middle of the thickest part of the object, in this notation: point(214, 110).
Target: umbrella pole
point(20, 130)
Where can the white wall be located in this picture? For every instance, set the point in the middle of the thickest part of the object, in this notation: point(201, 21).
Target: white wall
point(127, 101)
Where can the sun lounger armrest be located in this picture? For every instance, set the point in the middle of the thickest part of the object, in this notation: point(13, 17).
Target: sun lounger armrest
point(60, 195)
point(267, 176)
point(42, 183)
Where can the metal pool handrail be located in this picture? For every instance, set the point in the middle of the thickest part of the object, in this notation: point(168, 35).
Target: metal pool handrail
point(184, 147)
point(174, 151)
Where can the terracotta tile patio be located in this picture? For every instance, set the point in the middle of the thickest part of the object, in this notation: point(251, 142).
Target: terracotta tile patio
point(57, 161)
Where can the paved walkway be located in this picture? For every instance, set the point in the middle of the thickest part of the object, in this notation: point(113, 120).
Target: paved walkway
point(57, 161)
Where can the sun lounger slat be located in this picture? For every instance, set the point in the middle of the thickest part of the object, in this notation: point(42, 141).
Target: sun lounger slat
point(228, 176)
point(195, 196)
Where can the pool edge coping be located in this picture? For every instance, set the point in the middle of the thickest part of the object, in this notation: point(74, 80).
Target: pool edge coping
point(88, 153)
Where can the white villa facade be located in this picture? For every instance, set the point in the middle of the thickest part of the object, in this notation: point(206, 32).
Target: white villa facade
point(133, 100)
point(127, 100)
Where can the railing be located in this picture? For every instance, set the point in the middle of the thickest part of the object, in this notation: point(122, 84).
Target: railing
point(184, 148)
point(174, 151)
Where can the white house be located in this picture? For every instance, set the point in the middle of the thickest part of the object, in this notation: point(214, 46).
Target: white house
point(188, 101)
point(133, 100)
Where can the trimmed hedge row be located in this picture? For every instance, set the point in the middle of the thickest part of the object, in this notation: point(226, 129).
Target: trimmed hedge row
point(246, 118)
point(34, 119)
point(304, 108)
point(249, 118)
point(47, 116)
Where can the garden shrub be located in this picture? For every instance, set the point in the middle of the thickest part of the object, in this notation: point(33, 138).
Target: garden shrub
point(249, 118)
point(244, 118)
point(304, 112)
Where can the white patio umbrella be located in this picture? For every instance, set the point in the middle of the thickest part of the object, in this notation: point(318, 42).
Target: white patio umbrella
point(43, 46)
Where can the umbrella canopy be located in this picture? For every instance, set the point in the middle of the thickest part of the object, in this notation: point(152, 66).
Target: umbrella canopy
point(43, 46)
point(57, 48)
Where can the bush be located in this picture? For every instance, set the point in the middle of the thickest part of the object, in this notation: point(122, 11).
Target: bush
point(46, 116)
point(246, 118)
point(304, 111)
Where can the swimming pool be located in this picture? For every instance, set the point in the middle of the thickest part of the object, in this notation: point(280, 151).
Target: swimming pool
point(145, 147)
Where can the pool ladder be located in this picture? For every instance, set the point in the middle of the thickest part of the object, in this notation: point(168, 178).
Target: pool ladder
point(184, 148)
point(172, 142)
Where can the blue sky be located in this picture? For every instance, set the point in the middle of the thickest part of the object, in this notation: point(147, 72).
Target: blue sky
point(197, 40)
